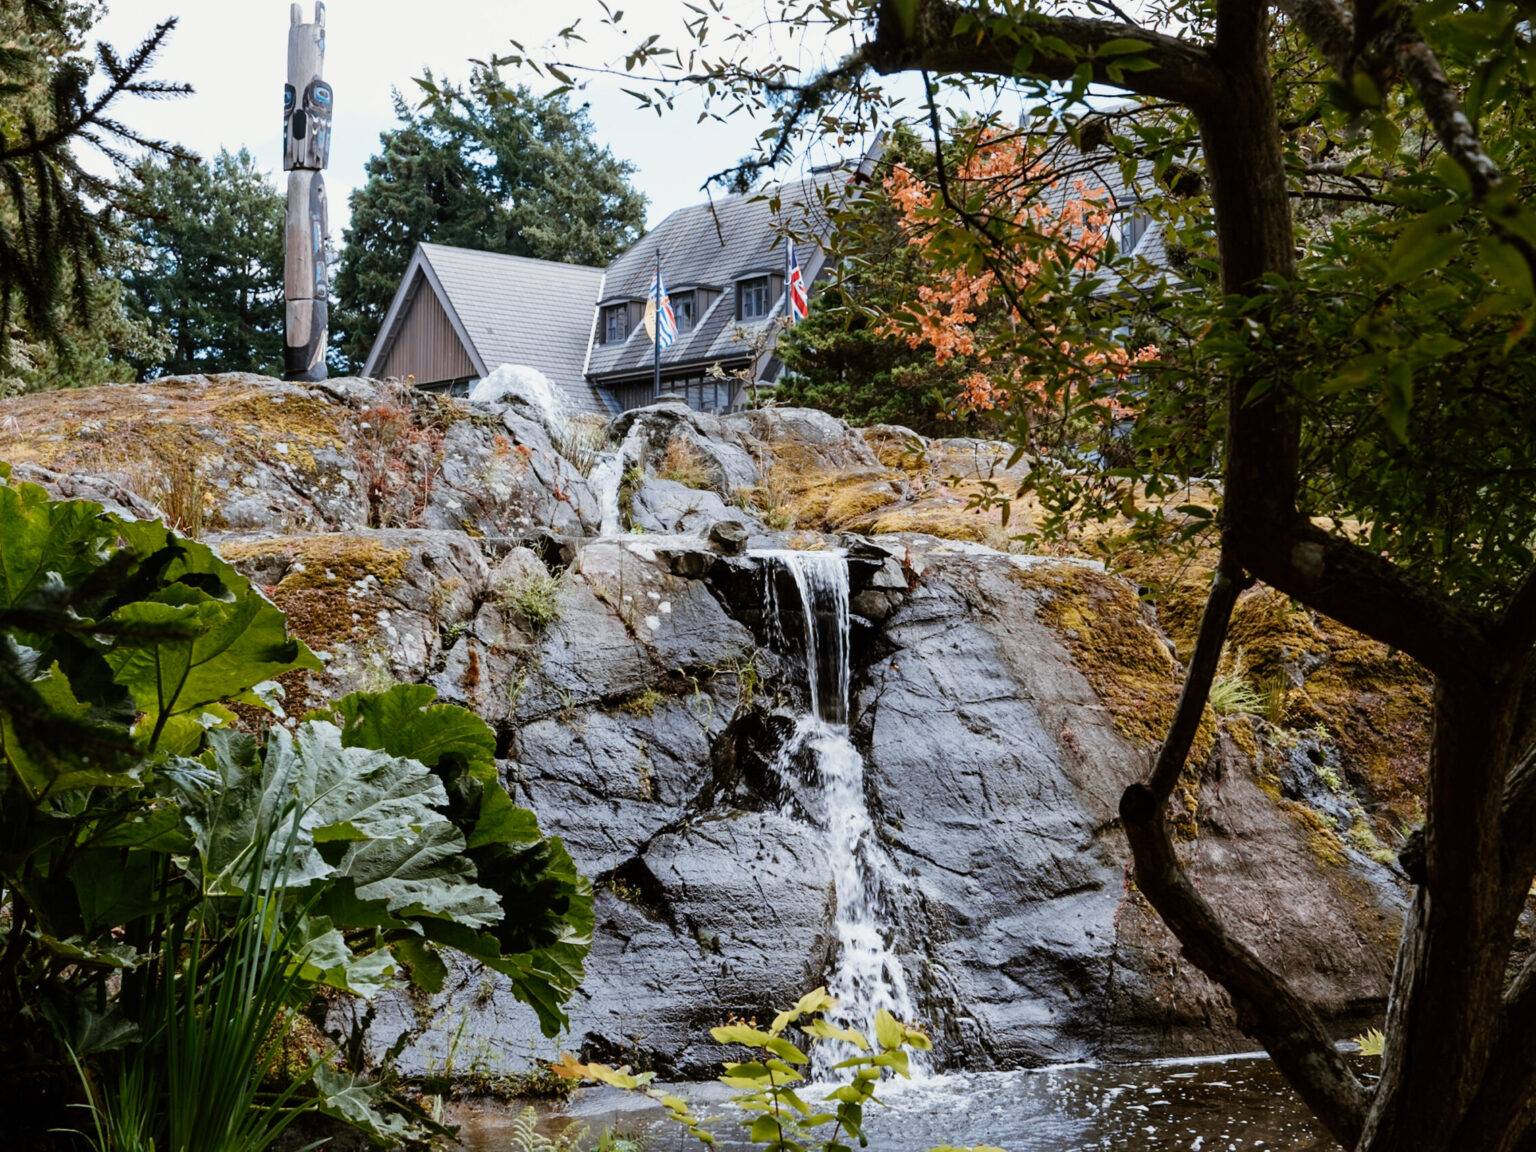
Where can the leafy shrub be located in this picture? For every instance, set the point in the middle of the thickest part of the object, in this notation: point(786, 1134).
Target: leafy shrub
point(765, 1086)
point(133, 810)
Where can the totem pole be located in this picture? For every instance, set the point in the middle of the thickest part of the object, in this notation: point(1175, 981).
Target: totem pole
point(307, 110)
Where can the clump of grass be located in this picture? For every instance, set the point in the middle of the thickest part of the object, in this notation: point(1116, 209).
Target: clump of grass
point(174, 484)
point(581, 440)
point(1232, 695)
point(684, 464)
point(771, 501)
point(535, 599)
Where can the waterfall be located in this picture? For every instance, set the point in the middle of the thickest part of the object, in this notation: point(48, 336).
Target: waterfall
point(866, 975)
point(607, 478)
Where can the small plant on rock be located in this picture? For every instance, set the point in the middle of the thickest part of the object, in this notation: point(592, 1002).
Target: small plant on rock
point(767, 1085)
point(684, 464)
point(535, 599)
point(1232, 695)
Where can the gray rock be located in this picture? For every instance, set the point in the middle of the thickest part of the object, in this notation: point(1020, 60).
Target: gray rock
point(729, 536)
point(670, 508)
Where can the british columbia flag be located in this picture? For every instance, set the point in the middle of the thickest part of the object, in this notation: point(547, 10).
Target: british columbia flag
point(658, 313)
point(799, 294)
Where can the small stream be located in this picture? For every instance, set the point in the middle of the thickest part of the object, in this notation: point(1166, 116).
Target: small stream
point(1225, 1104)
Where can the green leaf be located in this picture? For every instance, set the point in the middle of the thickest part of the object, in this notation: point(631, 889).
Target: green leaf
point(359, 1104)
point(208, 635)
point(1124, 46)
point(428, 972)
point(741, 1034)
point(404, 721)
point(46, 539)
point(326, 959)
point(888, 1030)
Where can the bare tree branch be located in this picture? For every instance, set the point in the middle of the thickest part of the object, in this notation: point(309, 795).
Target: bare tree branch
point(1266, 1006)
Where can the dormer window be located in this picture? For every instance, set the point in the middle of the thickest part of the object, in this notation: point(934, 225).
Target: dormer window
point(1132, 229)
point(615, 324)
point(683, 307)
point(754, 298)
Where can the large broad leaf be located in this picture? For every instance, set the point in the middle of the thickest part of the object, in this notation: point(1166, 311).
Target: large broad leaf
point(405, 721)
point(356, 819)
point(542, 940)
point(359, 1104)
point(43, 540)
point(326, 959)
point(205, 636)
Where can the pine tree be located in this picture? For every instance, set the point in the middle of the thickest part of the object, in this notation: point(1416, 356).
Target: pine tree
point(481, 166)
point(56, 105)
point(209, 268)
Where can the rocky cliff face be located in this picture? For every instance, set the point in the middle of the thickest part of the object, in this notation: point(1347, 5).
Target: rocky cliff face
point(1001, 703)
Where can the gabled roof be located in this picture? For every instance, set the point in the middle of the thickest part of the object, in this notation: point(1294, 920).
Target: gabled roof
point(507, 310)
point(715, 245)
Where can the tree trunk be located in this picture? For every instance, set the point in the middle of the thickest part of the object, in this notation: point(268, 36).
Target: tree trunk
point(1447, 991)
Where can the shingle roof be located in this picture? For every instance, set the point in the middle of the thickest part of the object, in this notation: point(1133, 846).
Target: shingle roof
point(508, 310)
point(715, 245)
point(519, 311)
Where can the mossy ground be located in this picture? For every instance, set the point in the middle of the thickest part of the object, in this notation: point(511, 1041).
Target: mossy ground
point(1314, 675)
point(187, 425)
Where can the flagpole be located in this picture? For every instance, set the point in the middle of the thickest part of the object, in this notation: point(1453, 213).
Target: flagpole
point(789, 308)
point(656, 323)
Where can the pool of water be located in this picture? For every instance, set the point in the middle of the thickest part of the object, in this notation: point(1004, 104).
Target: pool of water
point(1224, 1104)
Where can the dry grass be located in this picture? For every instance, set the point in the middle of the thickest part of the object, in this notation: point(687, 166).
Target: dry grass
point(174, 484)
point(685, 464)
point(582, 440)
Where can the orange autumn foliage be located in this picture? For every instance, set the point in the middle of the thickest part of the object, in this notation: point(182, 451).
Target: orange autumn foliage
point(1052, 235)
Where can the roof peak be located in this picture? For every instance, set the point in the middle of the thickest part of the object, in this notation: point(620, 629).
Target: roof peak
point(430, 247)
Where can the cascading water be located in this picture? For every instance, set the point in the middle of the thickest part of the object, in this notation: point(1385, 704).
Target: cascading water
point(607, 478)
point(867, 975)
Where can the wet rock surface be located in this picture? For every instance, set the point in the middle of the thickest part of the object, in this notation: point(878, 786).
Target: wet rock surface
point(639, 692)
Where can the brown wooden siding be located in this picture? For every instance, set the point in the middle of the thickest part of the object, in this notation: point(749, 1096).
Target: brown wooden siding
point(427, 347)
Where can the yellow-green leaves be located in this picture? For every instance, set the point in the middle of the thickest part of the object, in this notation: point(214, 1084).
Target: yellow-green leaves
point(765, 1088)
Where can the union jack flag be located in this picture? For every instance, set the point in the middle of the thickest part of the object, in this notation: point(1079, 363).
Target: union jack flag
point(799, 294)
point(658, 311)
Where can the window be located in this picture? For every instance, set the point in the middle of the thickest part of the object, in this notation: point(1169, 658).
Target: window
point(752, 299)
point(1132, 229)
point(682, 308)
point(616, 324)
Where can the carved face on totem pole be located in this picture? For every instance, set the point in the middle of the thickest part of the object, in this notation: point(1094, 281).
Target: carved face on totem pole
point(307, 126)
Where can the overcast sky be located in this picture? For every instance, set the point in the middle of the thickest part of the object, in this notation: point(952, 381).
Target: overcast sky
point(234, 53)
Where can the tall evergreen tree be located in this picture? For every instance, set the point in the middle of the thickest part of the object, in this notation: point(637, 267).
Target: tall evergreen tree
point(485, 166)
point(209, 271)
point(56, 213)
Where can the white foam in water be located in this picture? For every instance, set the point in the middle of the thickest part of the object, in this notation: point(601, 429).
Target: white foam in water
point(867, 975)
point(608, 477)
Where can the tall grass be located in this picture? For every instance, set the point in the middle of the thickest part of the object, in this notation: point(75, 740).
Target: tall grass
point(213, 1013)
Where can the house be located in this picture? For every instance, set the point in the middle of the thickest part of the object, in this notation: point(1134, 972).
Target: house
point(459, 314)
point(725, 265)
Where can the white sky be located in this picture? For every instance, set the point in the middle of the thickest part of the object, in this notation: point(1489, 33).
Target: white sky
point(234, 53)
